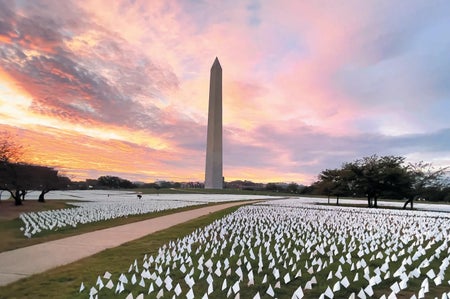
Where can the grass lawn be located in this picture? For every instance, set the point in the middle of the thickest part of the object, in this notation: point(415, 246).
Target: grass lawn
point(12, 237)
point(64, 282)
point(9, 211)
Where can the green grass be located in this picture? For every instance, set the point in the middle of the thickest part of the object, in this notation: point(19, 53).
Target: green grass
point(12, 237)
point(64, 282)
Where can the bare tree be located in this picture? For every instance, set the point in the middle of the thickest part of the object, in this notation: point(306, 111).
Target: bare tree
point(19, 178)
point(10, 153)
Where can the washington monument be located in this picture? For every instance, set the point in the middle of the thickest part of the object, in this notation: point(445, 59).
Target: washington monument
point(213, 171)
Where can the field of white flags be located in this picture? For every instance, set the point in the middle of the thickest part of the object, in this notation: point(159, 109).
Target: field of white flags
point(285, 249)
point(98, 205)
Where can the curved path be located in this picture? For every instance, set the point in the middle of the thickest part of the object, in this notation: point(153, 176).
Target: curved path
point(23, 262)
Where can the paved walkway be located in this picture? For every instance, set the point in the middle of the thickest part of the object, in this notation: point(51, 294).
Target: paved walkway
point(23, 262)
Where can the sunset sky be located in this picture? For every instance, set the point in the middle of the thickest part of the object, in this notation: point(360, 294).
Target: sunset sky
point(121, 87)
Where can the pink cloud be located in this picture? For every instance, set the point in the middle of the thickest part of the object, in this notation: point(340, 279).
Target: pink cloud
point(79, 154)
point(295, 73)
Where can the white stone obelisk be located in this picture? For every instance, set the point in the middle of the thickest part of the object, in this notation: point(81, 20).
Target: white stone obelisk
point(213, 171)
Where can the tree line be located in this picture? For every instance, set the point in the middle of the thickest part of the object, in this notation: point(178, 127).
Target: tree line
point(372, 177)
point(389, 177)
point(18, 178)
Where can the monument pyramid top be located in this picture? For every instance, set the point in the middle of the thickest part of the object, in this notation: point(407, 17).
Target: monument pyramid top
point(216, 63)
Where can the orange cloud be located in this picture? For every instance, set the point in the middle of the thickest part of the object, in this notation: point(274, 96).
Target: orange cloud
point(66, 150)
point(132, 81)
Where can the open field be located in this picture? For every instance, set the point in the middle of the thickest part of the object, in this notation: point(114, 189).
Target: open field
point(273, 249)
point(12, 237)
point(9, 211)
point(101, 205)
point(285, 247)
point(92, 203)
point(64, 282)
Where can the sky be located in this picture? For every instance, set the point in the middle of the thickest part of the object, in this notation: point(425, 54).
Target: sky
point(120, 88)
